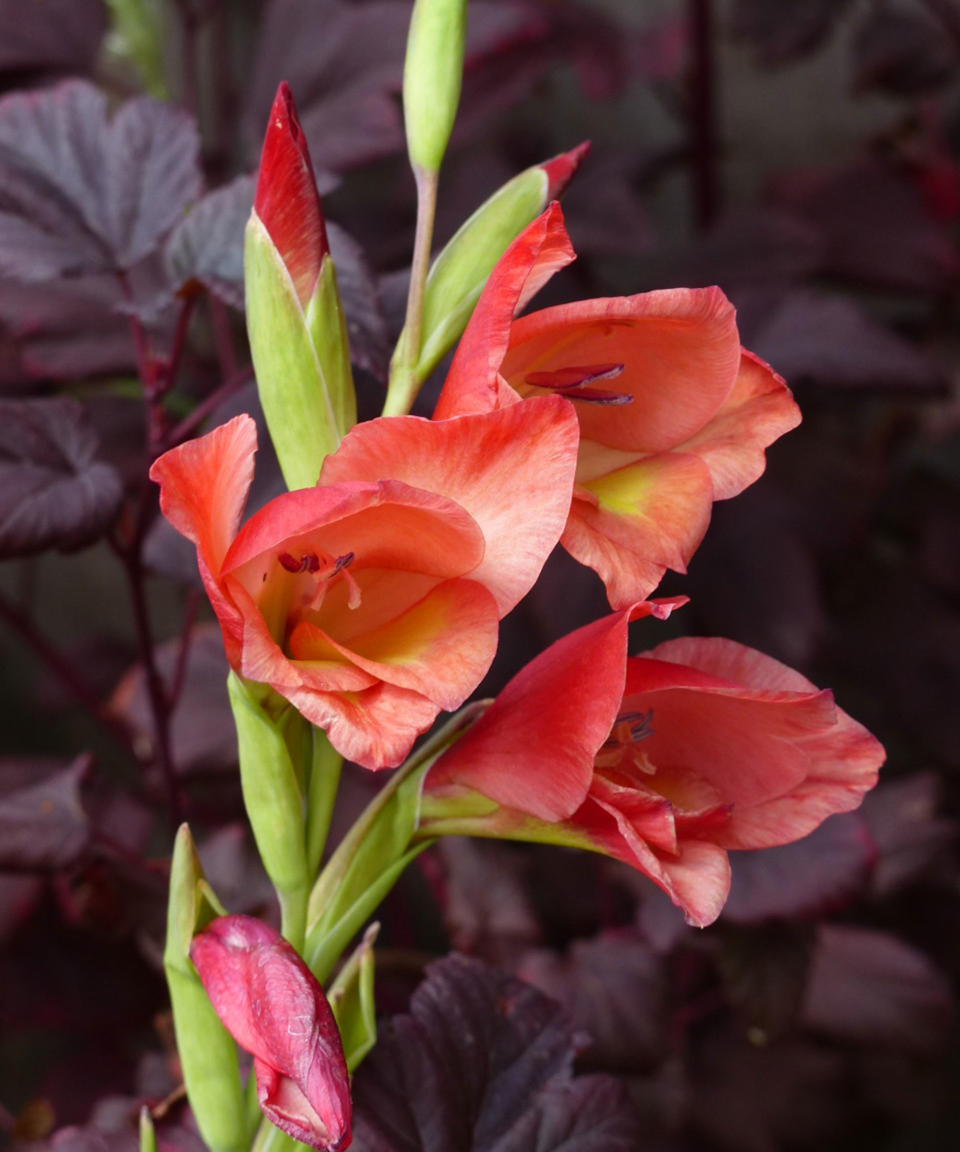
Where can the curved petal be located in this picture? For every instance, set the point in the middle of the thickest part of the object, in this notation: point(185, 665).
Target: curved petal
point(375, 728)
point(511, 470)
point(540, 250)
point(696, 878)
point(679, 349)
point(758, 411)
point(440, 647)
point(631, 524)
point(384, 523)
point(533, 750)
point(203, 489)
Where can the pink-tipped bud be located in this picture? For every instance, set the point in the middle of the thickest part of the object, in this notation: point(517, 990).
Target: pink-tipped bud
point(271, 1004)
point(286, 201)
point(561, 169)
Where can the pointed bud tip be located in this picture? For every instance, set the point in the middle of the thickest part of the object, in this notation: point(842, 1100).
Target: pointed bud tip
point(561, 169)
point(286, 199)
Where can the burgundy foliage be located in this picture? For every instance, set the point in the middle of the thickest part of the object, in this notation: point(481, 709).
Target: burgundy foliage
point(819, 1011)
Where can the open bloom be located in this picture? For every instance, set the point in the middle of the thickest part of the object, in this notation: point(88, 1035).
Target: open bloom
point(271, 1004)
point(372, 600)
point(673, 413)
point(665, 760)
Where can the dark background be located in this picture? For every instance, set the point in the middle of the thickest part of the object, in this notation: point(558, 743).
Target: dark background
point(803, 155)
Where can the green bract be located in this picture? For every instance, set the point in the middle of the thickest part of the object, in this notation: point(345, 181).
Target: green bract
point(208, 1055)
point(301, 359)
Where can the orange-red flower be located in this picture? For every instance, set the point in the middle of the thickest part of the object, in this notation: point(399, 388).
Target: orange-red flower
point(673, 413)
point(372, 600)
point(271, 1004)
point(665, 760)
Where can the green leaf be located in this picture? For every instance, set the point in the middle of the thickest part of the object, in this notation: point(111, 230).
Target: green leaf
point(352, 1002)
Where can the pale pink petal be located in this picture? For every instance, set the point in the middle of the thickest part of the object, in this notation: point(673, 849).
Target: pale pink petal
point(679, 349)
point(511, 470)
point(540, 250)
point(759, 410)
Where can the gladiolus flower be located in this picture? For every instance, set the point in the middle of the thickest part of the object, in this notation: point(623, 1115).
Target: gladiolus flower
point(372, 600)
point(270, 1003)
point(664, 761)
point(673, 413)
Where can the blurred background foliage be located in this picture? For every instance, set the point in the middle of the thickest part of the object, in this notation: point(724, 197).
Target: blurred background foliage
point(805, 155)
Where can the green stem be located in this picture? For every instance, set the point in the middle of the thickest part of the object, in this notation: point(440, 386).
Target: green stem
point(293, 915)
point(325, 765)
point(404, 381)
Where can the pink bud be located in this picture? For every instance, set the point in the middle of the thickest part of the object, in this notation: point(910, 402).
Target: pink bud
point(286, 201)
point(272, 1005)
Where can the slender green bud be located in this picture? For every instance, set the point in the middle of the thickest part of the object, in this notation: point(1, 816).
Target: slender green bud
point(459, 273)
point(295, 320)
point(274, 803)
point(208, 1055)
point(432, 75)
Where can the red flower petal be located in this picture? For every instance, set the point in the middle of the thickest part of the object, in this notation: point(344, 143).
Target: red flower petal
point(286, 200)
point(540, 250)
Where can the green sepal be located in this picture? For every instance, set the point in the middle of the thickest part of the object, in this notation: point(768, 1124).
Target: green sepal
point(273, 799)
point(297, 374)
point(458, 275)
point(208, 1055)
point(432, 76)
point(148, 1137)
point(323, 779)
point(327, 325)
point(352, 1002)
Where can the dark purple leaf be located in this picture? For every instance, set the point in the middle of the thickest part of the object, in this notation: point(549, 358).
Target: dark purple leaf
point(486, 910)
point(42, 821)
point(54, 493)
point(765, 973)
point(876, 225)
point(902, 51)
point(344, 63)
point(81, 194)
point(871, 988)
point(833, 341)
point(588, 1114)
point(614, 988)
point(366, 326)
point(481, 1064)
point(207, 245)
point(783, 31)
point(903, 822)
point(52, 35)
point(818, 874)
point(201, 732)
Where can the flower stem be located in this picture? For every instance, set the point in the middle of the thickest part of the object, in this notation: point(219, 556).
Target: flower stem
point(404, 383)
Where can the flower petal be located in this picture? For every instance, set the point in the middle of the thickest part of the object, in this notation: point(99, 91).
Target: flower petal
point(511, 469)
point(540, 250)
point(286, 199)
point(679, 349)
point(633, 523)
point(203, 489)
point(440, 647)
point(759, 410)
point(272, 1006)
point(533, 750)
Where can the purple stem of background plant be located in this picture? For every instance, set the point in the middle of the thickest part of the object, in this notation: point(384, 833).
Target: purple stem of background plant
point(72, 681)
point(703, 112)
